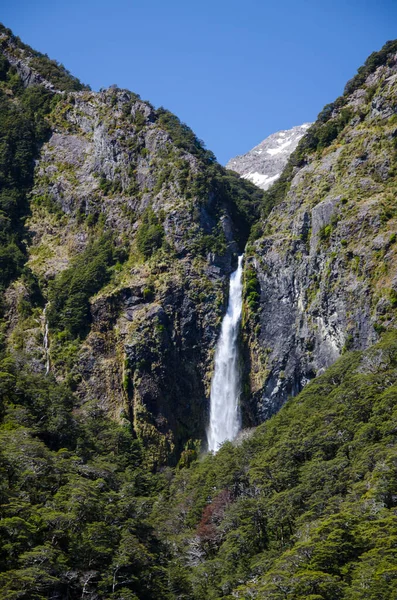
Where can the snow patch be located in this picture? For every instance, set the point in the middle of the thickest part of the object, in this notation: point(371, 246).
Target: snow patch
point(262, 181)
point(280, 149)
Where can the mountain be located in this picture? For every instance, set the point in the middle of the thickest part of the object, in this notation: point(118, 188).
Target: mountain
point(119, 233)
point(127, 230)
point(324, 261)
point(264, 164)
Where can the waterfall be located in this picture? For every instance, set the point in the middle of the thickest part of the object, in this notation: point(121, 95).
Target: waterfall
point(225, 387)
point(46, 343)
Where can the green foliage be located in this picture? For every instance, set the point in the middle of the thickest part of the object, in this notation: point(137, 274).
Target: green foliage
point(47, 202)
point(330, 123)
point(245, 202)
point(307, 504)
point(304, 508)
point(72, 289)
point(375, 60)
point(212, 242)
point(393, 297)
point(182, 136)
point(75, 496)
point(348, 343)
point(148, 294)
point(325, 233)
point(51, 70)
point(251, 288)
point(110, 187)
point(150, 235)
point(324, 131)
point(23, 129)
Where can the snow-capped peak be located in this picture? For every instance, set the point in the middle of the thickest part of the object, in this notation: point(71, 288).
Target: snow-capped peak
point(264, 164)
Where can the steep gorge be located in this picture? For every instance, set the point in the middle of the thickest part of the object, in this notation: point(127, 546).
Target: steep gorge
point(119, 235)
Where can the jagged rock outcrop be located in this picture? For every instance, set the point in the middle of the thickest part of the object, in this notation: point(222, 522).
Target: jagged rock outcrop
point(35, 68)
point(264, 164)
point(325, 264)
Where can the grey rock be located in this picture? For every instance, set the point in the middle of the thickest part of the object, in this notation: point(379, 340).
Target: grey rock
point(20, 60)
point(326, 263)
point(321, 216)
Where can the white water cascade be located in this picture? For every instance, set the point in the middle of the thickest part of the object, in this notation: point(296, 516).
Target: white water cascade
point(225, 387)
point(46, 344)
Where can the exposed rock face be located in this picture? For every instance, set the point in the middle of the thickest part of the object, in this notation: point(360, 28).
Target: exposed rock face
point(112, 166)
point(150, 347)
point(264, 164)
point(326, 264)
point(35, 68)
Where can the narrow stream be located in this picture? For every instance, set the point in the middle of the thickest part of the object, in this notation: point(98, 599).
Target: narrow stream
point(226, 382)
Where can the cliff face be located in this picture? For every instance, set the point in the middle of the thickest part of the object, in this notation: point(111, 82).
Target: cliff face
point(324, 268)
point(133, 230)
point(154, 325)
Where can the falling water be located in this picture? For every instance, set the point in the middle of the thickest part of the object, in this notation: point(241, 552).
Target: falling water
point(225, 387)
point(46, 342)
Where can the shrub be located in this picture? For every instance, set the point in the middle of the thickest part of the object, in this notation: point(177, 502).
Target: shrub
point(211, 242)
point(23, 129)
point(150, 234)
point(70, 292)
point(252, 288)
point(325, 232)
point(148, 294)
point(374, 60)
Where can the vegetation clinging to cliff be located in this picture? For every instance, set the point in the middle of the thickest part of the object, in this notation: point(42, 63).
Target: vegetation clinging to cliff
point(22, 130)
point(244, 201)
point(150, 234)
point(307, 504)
point(49, 69)
point(69, 294)
point(330, 122)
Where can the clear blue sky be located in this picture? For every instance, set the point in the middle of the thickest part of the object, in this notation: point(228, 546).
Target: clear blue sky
point(234, 71)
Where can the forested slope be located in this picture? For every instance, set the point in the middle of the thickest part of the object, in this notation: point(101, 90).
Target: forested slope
point(303, 508)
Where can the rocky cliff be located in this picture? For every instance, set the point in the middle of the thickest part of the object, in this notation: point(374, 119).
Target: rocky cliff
point(264, 164)
point(131, 232)
point(322, 275)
